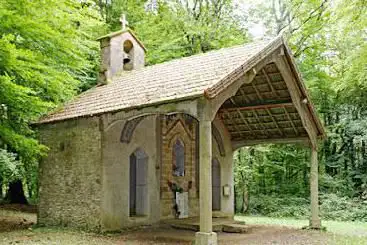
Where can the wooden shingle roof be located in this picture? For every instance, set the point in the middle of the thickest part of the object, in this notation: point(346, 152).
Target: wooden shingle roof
point(174, 80)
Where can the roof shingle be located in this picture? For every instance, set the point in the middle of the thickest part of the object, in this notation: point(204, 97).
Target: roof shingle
point(177, 79)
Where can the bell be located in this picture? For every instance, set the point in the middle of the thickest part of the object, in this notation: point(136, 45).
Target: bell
point(126, 58)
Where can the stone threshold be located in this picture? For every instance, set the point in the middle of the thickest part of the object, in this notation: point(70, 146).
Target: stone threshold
point(227, 225)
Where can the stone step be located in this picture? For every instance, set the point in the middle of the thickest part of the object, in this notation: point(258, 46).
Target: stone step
point(195, 227)
point(236, 228)
point(183, 226)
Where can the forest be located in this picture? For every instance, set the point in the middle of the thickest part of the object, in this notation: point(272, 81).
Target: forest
point(47, 57)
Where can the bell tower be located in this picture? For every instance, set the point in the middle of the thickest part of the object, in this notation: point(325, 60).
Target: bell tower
point(121, 51)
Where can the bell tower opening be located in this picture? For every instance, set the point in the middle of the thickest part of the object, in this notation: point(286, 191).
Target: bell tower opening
point(121, 51)
point(128, 55)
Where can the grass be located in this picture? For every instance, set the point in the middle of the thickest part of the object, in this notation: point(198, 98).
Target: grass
point(340, 233)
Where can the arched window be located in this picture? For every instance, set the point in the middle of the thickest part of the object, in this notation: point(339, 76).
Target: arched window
point(178, 165)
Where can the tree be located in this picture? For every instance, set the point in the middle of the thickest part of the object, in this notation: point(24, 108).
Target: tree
point(178, 28)
point(45, 56)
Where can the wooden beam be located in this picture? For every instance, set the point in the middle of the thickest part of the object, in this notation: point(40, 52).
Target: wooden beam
point(249, 93)
point(276, 123)
point(244, 120)
point(234, 124)
point(293, 140)
point(267, 116)
point(296, 96)
point(265, 123)
point(257, 107)
point(269, 74)
point(233, 101)
point(273, 90)
point(290, 120)
point(257, 92)
point(241, 116)
point(256, 130)
point(258, 120)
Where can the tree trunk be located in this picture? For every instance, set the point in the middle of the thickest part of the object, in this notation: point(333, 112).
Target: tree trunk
point(1, 188)
point(15, 193)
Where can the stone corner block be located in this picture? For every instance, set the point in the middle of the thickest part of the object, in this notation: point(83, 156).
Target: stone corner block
point(205, 238)
point(315, 224)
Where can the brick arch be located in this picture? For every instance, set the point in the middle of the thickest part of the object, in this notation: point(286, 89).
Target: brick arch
point(187, 130)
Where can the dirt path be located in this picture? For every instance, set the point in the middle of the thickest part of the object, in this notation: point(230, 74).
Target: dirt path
point(17, 217)
point(272, 235)
point(16, 228)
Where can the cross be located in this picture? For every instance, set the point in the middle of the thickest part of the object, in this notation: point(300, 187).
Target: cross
point(123, 21)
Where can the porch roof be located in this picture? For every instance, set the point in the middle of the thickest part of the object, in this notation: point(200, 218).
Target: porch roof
point(273, 108)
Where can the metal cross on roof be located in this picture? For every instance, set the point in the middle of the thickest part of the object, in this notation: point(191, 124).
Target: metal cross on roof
point(123, 21)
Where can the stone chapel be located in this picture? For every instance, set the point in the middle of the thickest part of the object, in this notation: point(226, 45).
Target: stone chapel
point(152, 143)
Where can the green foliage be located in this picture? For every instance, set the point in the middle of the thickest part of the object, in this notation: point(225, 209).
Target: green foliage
point(332, 207)
point(10, 168)
point(178, 28)
point(47, 54)
point(272, 169)
point(279, 206)
point(42, 56)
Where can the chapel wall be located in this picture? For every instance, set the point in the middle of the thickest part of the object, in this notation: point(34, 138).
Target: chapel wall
point(70, 175)
point(116, 164)
point(226, 165)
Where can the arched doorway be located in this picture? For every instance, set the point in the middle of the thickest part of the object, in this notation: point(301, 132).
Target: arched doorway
point(216, 185)
point(138, 183)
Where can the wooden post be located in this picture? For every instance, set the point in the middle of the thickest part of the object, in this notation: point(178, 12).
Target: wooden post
point(315, 222)
point(205, 236)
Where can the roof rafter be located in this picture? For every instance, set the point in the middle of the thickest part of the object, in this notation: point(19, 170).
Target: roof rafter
point(290, 120)
point(279, 104)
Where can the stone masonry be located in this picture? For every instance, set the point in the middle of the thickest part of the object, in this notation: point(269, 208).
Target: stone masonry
point(70, 176)
point(183, 127)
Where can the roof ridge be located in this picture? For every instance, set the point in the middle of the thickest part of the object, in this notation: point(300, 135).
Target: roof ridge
point(176, 79)
point(121, 75)
point(225, 81)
